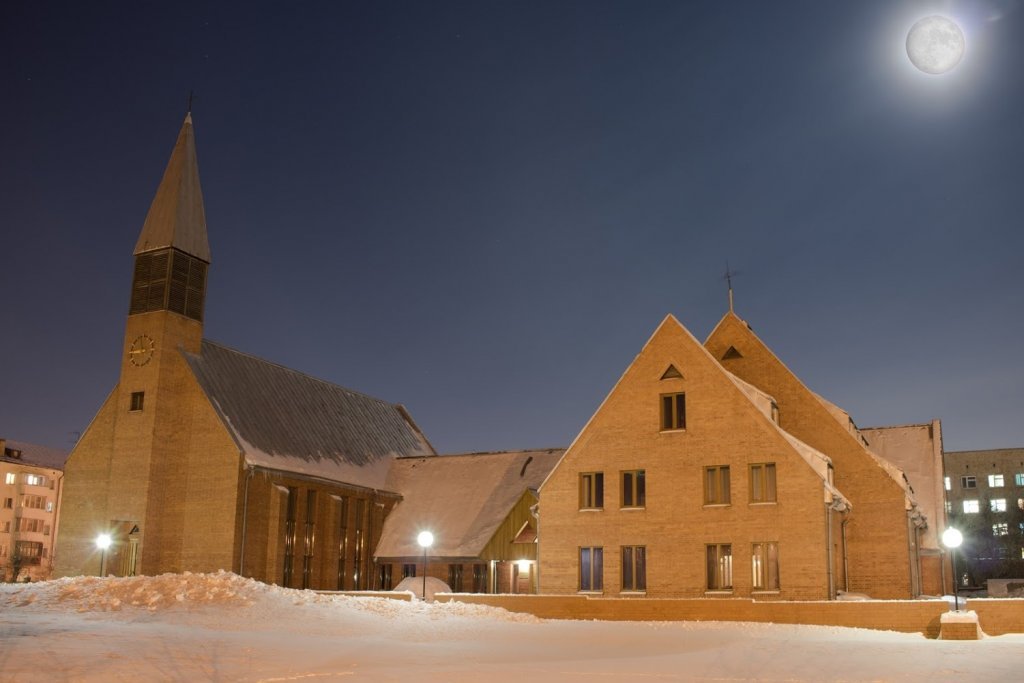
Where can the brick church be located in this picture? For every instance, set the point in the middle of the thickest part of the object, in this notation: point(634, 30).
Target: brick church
point(709, 470)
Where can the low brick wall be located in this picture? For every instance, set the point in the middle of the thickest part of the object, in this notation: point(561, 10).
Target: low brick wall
point(908, 616)
point(998, 616)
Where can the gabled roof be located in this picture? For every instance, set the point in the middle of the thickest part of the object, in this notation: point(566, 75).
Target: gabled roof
point(34, 454)
point(177, 217)
point(284, 420)
point(461, 499)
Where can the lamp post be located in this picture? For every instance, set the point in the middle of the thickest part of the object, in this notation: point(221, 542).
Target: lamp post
point(425, 539)
point(103, 542)
point(951, 538)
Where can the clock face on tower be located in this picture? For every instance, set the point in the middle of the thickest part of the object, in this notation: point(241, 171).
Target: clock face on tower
point(141, 350)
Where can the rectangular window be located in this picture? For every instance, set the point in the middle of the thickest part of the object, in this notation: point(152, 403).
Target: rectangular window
point(634, 568)
point(947, 483)
point(30, 552)
point(408, 570)
point(719, 565)
point(342, 539)
point(997, 505)
point(32, 526)
point(455, 577)
point(591, 490)
point(995, 481)
point(309, 538)
point(479, 578)
point(384, 577)
point(289, 536)
point(8, 503)
point(967, 482)
point(1018, 479)
point(765, 566)
point(949, 507)
point(716, 485)
point(137, 399)
point(762, 483)
point(34, 502)
point(10, 478)
point(673, 411)
point(35, 480)
point(634, 489)
point(591, 569)
point(1001, 529)
point(971, 507)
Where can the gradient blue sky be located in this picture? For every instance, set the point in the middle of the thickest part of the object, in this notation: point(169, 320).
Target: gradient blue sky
point(482, 210)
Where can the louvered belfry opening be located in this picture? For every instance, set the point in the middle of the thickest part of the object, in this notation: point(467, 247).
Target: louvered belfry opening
point(169, 280)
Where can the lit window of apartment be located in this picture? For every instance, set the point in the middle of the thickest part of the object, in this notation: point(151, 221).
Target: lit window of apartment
point(719, 566)
point(673, 411)
point(762, 483)
point(634, 489)
point(997, 505)
point(968, 482)
point(949, 507)
point(1020, 503)
point(634, 568)
point(995, 481)
point(591, 569)
point(591, 490)
point(49, 506)
point(764, 566)
point(36, 480)
point(716, 485)
point(1018, 479)
point(1001, 529)
point(10, 478)
point(971, 507)
point(947, 483)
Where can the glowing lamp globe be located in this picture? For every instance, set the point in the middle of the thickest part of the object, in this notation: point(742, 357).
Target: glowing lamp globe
point(103, 541)
point(425, 539)
point(952, 538)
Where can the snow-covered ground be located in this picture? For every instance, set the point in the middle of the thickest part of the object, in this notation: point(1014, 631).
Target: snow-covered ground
point(220, 627)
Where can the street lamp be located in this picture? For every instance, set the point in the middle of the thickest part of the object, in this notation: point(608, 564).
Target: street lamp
point(951, 538)
point(425, 539)
point(103, 542)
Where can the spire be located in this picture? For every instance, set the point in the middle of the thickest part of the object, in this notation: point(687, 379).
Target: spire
point(176, 217)
point(729, 273)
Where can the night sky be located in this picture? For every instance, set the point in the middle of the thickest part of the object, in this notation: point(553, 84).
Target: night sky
point(483, 210)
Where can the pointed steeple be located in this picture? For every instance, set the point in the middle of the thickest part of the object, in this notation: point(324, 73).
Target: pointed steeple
point(176, 218)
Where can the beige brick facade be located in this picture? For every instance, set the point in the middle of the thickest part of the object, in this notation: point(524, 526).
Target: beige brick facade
point(723, 426)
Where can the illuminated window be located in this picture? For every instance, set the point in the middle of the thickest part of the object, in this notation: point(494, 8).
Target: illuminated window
point(591, 490)
point(762, 483)
point(591, 569)
point(634, 568)
point(634, 489)
point(673, 411)
point(10, 478)
point(967, 482)
point(947, 483)
point(765, 566)
point(719, 566)
point(1001, 529)
point(36, 480)
point(949, 507)
point(971, 507)
point(997, 505)
point(1018, 479)
point(995, 481)
point(716, 485)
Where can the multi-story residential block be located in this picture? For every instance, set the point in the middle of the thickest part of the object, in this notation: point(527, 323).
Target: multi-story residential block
point(985, 501)
point(30, 491)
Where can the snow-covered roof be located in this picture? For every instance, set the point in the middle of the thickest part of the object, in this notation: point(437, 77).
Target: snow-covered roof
point(284, 420)
point(461, 499)
point(34, 454)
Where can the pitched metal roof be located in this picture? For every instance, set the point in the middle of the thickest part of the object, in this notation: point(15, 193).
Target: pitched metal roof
point(285, 420)
point(177, 217)
point(461, 499)
point(34, 454)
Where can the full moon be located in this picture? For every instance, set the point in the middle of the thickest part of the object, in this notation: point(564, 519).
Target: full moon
point(935, 44)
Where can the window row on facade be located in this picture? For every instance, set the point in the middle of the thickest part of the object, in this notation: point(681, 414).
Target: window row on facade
point(27, 478)
point(32, 502)
point(717, 487)
point(995, 481)
point(973, 505)
point(26, 525)
point(718, 559)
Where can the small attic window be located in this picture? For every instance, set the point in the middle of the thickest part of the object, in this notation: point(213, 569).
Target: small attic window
point(527, 534)
point(672, 373)
point(731, 353)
